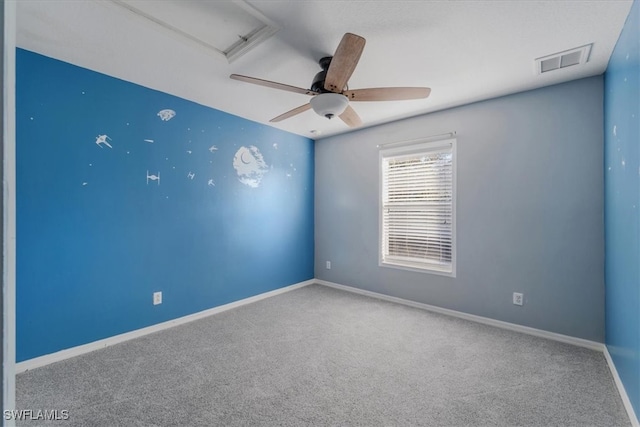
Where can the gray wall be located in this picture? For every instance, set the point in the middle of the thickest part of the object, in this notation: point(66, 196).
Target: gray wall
point(529, 209)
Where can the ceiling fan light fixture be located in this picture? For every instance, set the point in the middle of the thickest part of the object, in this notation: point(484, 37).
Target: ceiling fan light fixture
point(329, 104)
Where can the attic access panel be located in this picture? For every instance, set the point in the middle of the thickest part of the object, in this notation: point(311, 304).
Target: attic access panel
point(230, 28)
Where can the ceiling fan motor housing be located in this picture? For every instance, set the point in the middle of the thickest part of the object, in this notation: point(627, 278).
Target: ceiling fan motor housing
point(318, 81)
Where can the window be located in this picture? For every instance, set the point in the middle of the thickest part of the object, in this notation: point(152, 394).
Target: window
point(417, 209)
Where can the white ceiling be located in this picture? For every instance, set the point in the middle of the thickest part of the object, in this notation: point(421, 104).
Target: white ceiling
point(465, 51)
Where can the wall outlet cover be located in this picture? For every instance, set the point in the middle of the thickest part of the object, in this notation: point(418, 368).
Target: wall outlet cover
point(157, 298)
point(518, 298)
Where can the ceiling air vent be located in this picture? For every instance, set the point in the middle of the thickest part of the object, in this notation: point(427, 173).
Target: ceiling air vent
point(579, 55)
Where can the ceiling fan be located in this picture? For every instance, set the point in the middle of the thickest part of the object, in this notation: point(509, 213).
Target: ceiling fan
point(329, 89)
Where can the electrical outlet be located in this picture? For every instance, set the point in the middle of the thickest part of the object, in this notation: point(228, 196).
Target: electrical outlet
point(518, 298)
point(157, 298)
point(328, 265)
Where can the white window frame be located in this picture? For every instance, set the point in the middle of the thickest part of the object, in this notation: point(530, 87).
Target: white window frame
point(417, 148)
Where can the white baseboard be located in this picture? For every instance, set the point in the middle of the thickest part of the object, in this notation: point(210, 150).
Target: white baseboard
point(623, 392)
point(593, 345)
point(86, 348)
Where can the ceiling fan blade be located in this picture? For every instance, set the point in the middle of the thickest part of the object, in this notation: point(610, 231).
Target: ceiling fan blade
point(291, 113)
point(387, 93)
point(344, 62)
point(351, 118)
point(273, 85)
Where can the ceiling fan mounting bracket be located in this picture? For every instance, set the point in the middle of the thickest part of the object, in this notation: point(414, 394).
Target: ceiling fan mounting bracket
point(325, 62)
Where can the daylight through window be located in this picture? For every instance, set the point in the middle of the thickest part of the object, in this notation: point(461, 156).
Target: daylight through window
point(418, 207)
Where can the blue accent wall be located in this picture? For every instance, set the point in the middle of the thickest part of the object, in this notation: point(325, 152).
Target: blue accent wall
point(123, 191)
point(622, 205)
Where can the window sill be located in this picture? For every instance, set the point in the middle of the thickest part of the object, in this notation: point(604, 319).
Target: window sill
point(419, 269)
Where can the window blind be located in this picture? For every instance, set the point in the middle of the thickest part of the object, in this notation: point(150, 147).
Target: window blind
point(417, 208)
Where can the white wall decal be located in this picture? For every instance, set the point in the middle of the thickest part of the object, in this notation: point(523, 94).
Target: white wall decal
point(148, 140)
point(211, 183)
point(191, 175)
point(166, 115)
point(213, 148)
point(102, 139)
point(249, 165)
point(153, 178)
